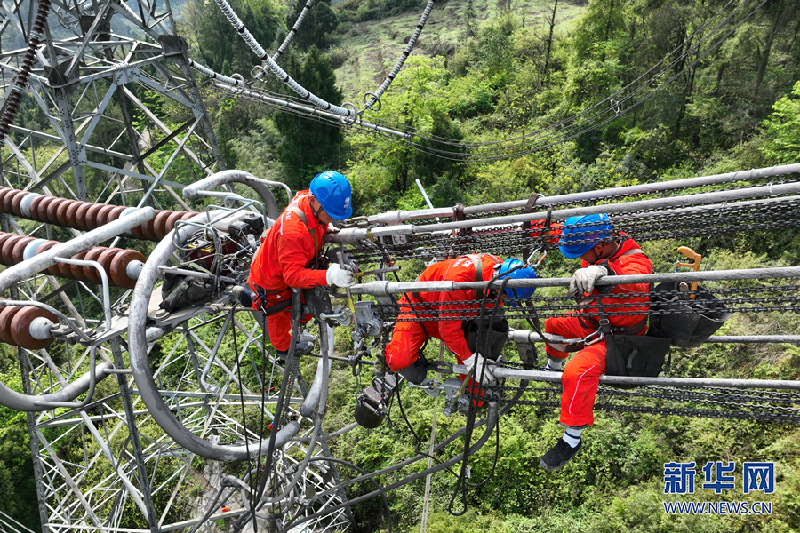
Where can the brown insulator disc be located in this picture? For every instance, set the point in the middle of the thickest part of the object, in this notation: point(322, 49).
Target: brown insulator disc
point(115, 213)
point(64, 270)
point(72, 214)
point(91, 215)
point(8, 198)
point(33, 207)
point(92, 255)
point(3, 238)
point(136, 231)
point(174, 217)
point(149, 230)
point(102, 215)
point(106, 257)
point(119, 265)
point(16, 200)
point(53, 270)
point(160, 223)
point(19, 249)
point(61, 212)
point(52, 210)
point(42, 207)
point(8, 247)
point(20, 325)
point(79, 272)
point(80, 215)
point(7, 312)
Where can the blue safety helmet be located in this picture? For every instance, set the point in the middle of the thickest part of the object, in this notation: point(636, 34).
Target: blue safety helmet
point(580, 234)
point(515, 269)
point(332, 191)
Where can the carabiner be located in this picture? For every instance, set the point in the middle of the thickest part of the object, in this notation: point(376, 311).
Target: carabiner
point(529, 260)
point(590, 339)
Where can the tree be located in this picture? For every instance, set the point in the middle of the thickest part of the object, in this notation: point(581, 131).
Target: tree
point(17, 480)
point(782, 129)
point(319, 22)
point(217, 44)
point(308, 146)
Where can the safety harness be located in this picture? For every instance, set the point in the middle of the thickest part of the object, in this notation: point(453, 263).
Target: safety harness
point(602, 324)
point(419, 368)
point(262, 292)
point(627, 352)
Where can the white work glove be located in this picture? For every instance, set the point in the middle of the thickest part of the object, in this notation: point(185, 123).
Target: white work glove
point(583, 279)
point(482, 373)
point(341, 276)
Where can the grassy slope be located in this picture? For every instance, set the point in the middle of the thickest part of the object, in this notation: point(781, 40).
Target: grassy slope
point(371, 49)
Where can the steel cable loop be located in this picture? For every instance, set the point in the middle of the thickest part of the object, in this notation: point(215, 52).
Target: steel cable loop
point(143, 376)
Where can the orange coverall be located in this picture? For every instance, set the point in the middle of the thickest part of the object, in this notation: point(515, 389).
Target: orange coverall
point(408, 337)
point(283, 262)
point(582, 372)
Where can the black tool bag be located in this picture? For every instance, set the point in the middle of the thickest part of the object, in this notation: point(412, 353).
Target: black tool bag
point(183, 290)
point(688, 322)
point(635, 355)
point(498, 335)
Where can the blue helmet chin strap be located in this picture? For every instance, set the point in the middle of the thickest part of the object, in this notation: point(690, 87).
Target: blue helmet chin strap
point(317, 211)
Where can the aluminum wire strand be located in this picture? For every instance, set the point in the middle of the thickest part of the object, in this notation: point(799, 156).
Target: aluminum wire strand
point(732, 300)
point(293, 31)
point(721, 220)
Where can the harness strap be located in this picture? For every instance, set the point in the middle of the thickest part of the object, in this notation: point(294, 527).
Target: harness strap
point(303, 217)
point(590, 323)
point(603, 324)
point(274, 309)
point(311, 232)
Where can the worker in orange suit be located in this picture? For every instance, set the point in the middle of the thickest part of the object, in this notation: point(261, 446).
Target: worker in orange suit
point(289, 256)
point(603, 252)
point(413, 329)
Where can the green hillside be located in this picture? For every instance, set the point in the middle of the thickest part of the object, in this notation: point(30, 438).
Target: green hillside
point(367, 50)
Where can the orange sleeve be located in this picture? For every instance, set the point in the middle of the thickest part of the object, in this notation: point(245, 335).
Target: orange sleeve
point(631, 265)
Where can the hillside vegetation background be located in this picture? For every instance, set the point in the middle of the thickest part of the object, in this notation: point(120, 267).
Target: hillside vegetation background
point(487, 70)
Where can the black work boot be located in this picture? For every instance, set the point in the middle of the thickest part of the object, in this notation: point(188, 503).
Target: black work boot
point(559, 455)
point(300, 348)
point(373, 403)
